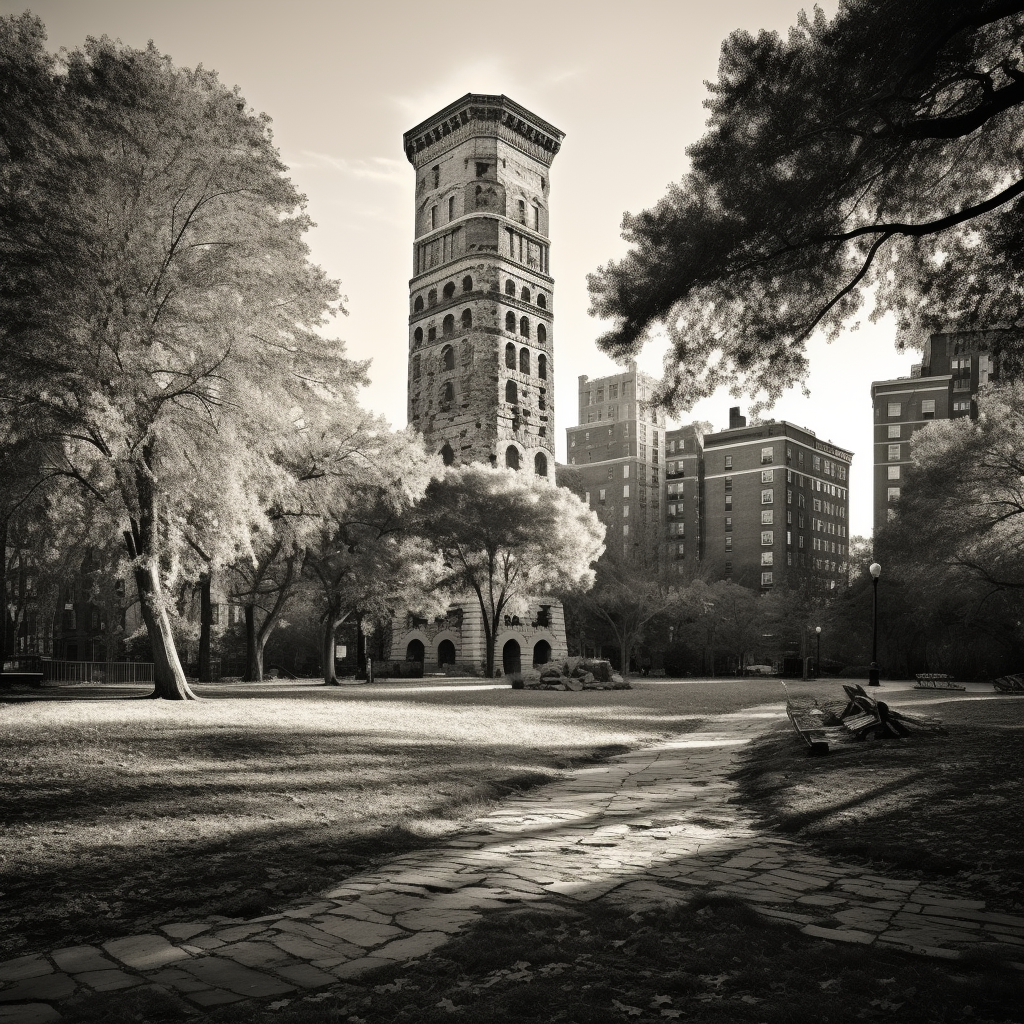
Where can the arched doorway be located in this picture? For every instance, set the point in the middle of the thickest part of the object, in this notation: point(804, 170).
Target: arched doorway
point(445, 653)
point(415, 651)
point(510, 657)
point(541, 652)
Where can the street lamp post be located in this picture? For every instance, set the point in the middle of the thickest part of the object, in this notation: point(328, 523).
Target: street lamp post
point(876, 570)
point(817, 656)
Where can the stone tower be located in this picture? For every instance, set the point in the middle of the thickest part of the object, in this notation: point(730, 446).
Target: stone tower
point(481, 299)
point(481, 371)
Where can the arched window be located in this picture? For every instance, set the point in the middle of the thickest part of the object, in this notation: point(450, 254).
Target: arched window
point(416, 367)
point(415, 651)
point(417, 335)
point(522, 212)
point(447, 358)
point(417, 306)
point(541, 652)
point(511, 392)
point(448, 326)
point(540, 464)
point(510, 356)
point(542, 367)
point(510, 287)
point(467, 284)
point(524, 327)
point(525, 294)
point(449, 290)
point(431, 334)
point(445, 653)
point(542, 334)
point(447, 396)
point(542, 300)
point(524, 361)
point(510, 322)
point(447, 455)
point(432, 297)
point(467, 318)
point(512, 457)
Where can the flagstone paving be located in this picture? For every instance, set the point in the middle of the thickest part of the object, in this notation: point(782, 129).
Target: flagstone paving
point(644, 828)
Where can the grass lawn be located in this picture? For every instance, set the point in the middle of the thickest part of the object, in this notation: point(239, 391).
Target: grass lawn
point(712, 962)
point(116, 815)
point(946, 808)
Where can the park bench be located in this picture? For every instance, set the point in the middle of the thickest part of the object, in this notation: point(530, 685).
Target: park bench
point(936, 681)
point(1009, 684)
point(858, 716)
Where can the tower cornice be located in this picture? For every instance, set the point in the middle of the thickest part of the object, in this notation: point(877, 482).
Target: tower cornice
point(481, 114)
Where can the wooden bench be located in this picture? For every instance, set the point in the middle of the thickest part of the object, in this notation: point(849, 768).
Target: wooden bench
point(863, 714)
point(1009, 684)
point(936, 681)
point(809, 721)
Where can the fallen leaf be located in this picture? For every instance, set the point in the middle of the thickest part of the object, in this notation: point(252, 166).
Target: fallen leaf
point(447, 1004)
point(672, 1013)
point(279, 1004)
point(829, 986)
point(660, 1001)
point(395, 986)
point(749, 999)
point(629, 1011)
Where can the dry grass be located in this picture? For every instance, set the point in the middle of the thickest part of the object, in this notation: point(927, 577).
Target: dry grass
point(121, 814)
point(942, 807)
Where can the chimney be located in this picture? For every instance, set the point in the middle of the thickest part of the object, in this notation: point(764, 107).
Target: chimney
point(735, 419)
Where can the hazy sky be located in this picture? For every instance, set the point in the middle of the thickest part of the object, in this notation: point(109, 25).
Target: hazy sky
point(625, 82)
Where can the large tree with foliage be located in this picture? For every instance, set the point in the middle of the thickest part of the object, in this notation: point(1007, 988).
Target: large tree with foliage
point(159, 315)
point(506, 536)
point(880, 149)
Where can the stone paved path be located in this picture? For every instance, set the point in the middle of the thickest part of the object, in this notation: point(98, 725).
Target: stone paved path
point(644, 828)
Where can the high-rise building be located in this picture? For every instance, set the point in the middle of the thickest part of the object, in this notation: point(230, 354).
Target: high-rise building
point(481, 337)
point(776, 505)
point(944, 385)
point(618, 451)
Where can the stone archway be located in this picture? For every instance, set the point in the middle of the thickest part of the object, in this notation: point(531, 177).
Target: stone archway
point(415, 651)
point(511, 657)
point(445, 653)
point(541, 652)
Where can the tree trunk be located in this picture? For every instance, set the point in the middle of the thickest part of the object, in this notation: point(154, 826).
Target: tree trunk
point(250, 647)
point(205, 627)
point(168, 675)
point(331, 623)
point(3, 591)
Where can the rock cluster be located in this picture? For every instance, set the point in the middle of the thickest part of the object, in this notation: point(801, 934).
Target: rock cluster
point(575, 674)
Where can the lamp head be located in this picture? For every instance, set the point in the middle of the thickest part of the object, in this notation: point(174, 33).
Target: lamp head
point(817, 629)
point(875, 569)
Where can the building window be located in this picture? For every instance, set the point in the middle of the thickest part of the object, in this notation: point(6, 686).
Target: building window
point(625, 511)
point(625, 529)
point(512, 457)
point(524, 327)
point(767, 517)
point(433, 217)
point(542, 300)
point(816, 460)
point(767, 454)
point(767, 496)
point(894, 432)
point(767, 476)
point(767, 558)
point(728, 524)
point(540, 465)
point(817, 504)
point(894, 453)
point(728, 502)
point(728, 462)
point(767, 537)
point(467, 284)
point(416, 367)
point(511, 392)
point(800, 543)
point(625, 470)
point(894, 409)
point(789, 538)
point(525, 294)
point(447, 358)
point(447, 396)
point(510, 287)
point(766, 579)
point(893, 472)
point(467, 319)
point(510, 322)
point(962, 406)
point(542, 334)
point(728, 484)
point(524, 361)
point(510, 358)
point(625, 490)
point(927, 408)
point(542, 367)
point(728, 543)
point(893, 494)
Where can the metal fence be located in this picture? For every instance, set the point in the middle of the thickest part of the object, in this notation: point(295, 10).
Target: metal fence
point(97, 671)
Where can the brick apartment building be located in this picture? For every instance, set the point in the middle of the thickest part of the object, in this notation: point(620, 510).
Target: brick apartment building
point(943, 386)
point(684, 494)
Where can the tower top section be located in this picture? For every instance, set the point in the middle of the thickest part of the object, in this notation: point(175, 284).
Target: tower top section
point(481, 115)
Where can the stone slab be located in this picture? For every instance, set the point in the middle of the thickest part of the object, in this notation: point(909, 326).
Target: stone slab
point(28, 1013)
point(184, 929)
point(108, 981)
point(215, 997)
point(33, 966)
point(414, 946)
point(50, 987)
point(226, 974)
point(838, 934)
point(355, 968)
point(306, 975)
point(145, 952)
point(77, 959)
point(365, 934)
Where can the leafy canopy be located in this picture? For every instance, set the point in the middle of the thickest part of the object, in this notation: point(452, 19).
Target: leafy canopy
point(882, 148)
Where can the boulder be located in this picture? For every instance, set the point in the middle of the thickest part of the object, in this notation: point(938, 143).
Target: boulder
point(574, 684)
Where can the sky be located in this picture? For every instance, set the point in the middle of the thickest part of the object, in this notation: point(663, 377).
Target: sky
point(625, 81)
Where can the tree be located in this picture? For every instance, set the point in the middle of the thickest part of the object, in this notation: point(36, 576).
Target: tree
point(159, 316)
point(880, 150)
point(506, 536)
